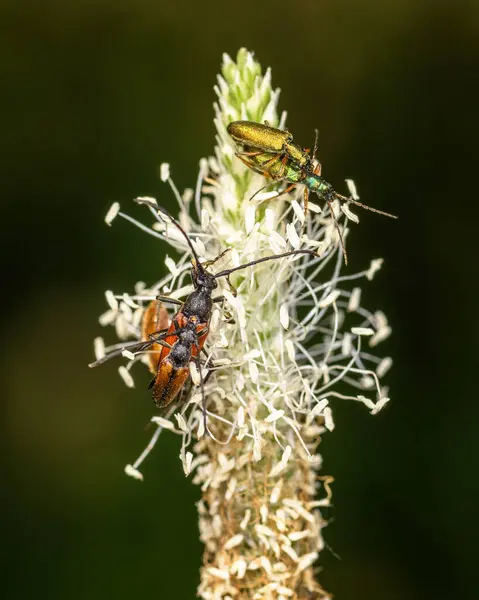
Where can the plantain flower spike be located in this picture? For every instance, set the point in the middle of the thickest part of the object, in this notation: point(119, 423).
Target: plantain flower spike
point(282, 352)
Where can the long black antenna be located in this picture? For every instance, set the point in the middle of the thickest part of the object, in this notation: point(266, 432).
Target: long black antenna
point(197, 260)
point(177, 225)
point(264, 259)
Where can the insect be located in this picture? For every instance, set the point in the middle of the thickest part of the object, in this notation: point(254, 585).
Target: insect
point(272, 153)
point(183, 340)
point(271, 140)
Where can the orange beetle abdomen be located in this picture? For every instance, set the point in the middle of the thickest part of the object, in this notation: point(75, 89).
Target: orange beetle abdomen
point(168, 383)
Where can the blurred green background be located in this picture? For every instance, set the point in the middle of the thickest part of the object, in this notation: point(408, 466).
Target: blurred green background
point(94, 96)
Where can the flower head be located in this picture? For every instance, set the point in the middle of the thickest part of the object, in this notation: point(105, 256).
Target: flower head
point(284, 345)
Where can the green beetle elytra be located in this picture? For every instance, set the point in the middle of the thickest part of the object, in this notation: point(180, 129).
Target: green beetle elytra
point(269, 139)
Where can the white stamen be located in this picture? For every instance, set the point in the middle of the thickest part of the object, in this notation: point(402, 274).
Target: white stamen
point(290, 350)
point(230, 489)
point(112, 213)
point(215, 320)
point(252, 354)
point(376, 264)
point(330, 299)
point(107, 318)
point(199, 247)
point(306, 561)
point(99, 348)
point(186, 462)
point(314, 208)
point(298, 211)
point(181, 423)
point(276, 493)
point(347, 344)
point(128, 300)
point(195, 375)
point(352, 189)
point(245, 519)
point(362, 331)
point(384, 366)
point(253, 372)
point(354, 300)
point(284, 315)
point(293, 236)
point(200, 431)
point(320, 406)
point(132, 472)
point(299, 535)
point(264, 512)
point(126, 376)
point(380, 404)
point(269, 220)
point(277, 242)
point(285, 591)
point(347, 211)
point(240, 417)
point(274, 416)
point(219, 573)
point(249, 218)
point(234, 541)
point(239, 568)
point(146, 199)
point(164, 172)
point(281, 465)
point(380, 336)
point(161, 422)
point(171, 265)
point(328, 418)
point(111, 300)
point(205, 219)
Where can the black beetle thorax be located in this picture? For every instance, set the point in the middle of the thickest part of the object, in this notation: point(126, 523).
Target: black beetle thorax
point(199, 304)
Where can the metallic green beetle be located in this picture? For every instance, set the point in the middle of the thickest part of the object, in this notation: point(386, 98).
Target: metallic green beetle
point(271, 153)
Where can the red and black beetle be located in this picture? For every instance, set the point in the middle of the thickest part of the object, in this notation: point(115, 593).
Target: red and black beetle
point(182, 342)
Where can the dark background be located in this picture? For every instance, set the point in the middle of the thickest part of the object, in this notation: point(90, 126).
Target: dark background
point(95, 94)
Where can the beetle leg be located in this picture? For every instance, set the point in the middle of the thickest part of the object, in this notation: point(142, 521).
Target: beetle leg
point(165, 344)
point(341, 241)
point(305, 201)
point(227, 314)
point(169, 300)
point(232, 290)
point(207, 264)
point(251, 165)
point(159, 332)
point(208, 364)
point(133, 347)
point(203, 396)
point(231, 286)
point(278, 155)
point(286, 191)
point(253, 153)
point(262, 187)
